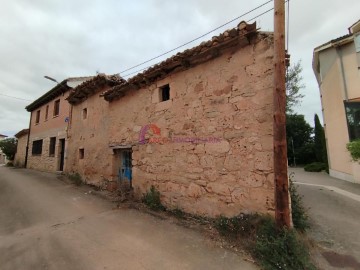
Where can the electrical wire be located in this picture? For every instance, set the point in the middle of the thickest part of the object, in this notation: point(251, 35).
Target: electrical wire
point(195, 39)
point(15, 97)
point(137, 71)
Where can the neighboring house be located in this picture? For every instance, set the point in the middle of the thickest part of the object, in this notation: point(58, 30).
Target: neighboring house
point(198, 126)
point(49, 119)
point(2, 155)
point(337, 68)
point(88, 130)
point(22, 138)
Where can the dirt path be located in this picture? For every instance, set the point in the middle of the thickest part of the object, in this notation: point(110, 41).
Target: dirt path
point(48, 224)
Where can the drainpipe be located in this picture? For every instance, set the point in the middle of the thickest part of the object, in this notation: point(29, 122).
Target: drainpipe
point(27, 144)
point(339, 53)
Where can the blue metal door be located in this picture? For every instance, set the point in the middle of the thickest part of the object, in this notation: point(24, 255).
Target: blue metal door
point(125, 171)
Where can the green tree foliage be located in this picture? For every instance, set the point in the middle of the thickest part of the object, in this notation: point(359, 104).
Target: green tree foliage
point(354, 149)
point(8, 146)
point(320, 142)
point(299, 140)
point(293, 87)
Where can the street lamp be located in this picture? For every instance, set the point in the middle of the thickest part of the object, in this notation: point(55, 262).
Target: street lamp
point(51, 79)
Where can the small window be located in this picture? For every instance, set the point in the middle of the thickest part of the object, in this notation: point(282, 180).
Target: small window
point(57, 107)
point(165, 92)
point(37, 120)
point(81, 153)
point(84, 113)
point(37, 147)
point(52, 146)
point(47, 113)
point(353, 119)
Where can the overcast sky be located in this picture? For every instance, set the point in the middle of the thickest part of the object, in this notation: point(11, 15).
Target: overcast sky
point(78, 38)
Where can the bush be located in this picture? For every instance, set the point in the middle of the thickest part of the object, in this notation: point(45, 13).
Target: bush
point(281, 248)
point(76, 179)
point(152, 199)
point(298, 211)
point(354, 149)
point(315, 167)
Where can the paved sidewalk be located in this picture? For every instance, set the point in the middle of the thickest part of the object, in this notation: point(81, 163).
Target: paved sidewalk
point(334, 209)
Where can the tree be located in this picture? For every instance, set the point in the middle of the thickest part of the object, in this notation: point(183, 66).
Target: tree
point(320, 142)
point(300, 142)
point(8, 146)
point(293, 86)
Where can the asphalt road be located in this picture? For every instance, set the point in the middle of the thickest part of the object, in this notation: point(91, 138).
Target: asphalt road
point(48, 224)
point(334, 209)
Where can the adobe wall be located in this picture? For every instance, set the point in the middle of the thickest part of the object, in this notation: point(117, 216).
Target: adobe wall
point(90, 134)
point(19, 159)
point(228, 98)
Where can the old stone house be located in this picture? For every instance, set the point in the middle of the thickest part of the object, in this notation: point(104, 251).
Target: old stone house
point(88, 151)
point(49, 120)
point(198, 126)
point(22, 138)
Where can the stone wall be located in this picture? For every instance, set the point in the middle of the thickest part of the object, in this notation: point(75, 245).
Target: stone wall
point(19, 159)
point(45, 161)
point(91, 135)
point(226, 101)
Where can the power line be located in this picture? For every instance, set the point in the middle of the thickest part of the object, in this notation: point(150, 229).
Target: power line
point(195, 39)
point(135, 72)
point(15, 97)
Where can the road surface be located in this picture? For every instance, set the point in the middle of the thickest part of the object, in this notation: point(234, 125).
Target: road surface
point(334, 209)
point(48, 224)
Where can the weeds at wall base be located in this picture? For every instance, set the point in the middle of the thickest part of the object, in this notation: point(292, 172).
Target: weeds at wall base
point(76, 179)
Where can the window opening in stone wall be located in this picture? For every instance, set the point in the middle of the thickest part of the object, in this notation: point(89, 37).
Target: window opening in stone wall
point(37, 119)
point(52, 146)
point(47, 112)
point(165, 92)
point(37, 147)
point(81, 153)
point(57, 107)
point(84, 113)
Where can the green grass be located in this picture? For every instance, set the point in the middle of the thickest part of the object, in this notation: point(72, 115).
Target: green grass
point(299, 215)
point(281, 248)
point(152, 199)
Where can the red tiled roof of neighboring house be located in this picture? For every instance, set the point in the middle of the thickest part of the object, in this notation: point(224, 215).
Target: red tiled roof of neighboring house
point(22, 133)
point(90, 87)
point(59, 89)
point(207, 50)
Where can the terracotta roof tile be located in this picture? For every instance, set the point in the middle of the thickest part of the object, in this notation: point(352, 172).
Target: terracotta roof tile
point(90, 87)
point(207, 50)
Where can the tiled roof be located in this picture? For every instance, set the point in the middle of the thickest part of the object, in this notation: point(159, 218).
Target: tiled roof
point(207, 50)
point(59, 89)
point(3, 135)
point(333, 41)
point(90, 87)
point(22, 133)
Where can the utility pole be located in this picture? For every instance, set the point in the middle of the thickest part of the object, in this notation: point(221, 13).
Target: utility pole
point(282, 207)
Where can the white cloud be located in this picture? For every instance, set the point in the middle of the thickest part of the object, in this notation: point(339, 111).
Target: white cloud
point(77, 38)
